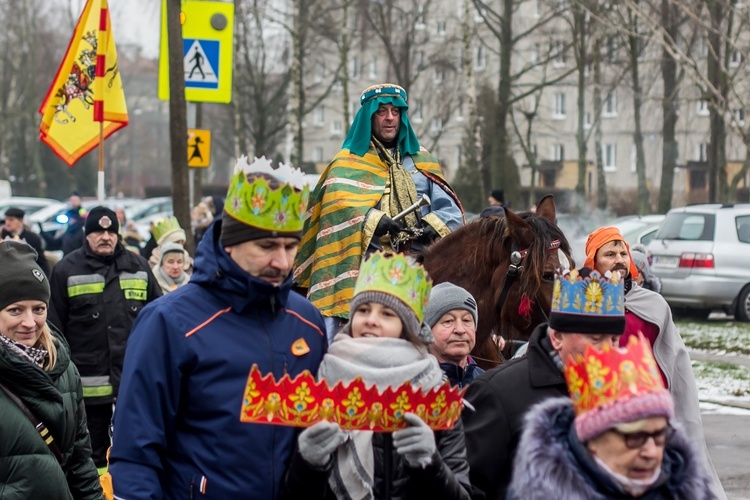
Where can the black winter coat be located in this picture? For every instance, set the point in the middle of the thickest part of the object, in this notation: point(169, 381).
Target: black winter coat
point(501, 397)
point(28, 469)
point(94, 302)
point(447, 477)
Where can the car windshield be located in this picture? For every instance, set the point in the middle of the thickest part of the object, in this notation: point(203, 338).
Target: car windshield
point(687, 226)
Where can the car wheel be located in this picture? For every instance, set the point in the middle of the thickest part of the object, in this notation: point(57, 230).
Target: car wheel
point(743, 304)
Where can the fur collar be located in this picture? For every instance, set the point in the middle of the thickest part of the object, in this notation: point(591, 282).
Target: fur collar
point(546, 467)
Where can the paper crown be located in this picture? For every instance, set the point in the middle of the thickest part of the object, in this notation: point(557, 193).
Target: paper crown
point(396, 275)
point(303, 402)
point(252, 201)
point(382, 90)
point(165, 226)
point(616, 386)
point(587, 302)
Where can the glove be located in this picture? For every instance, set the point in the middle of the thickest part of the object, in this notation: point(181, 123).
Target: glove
point(387, 225)
point(428, 234)
point(317, 443)
point(415, 443)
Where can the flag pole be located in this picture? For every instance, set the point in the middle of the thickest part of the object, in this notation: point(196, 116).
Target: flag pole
point(100, 175)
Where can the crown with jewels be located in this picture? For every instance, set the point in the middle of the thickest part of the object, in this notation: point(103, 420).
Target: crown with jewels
point(615, 386)
point(586, 302)
point(303, 402)
point(382, 90)
point(253, 201)
point(165, 226)
point(397, 275)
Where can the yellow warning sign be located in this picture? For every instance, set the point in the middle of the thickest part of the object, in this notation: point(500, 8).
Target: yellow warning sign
point(199, 148)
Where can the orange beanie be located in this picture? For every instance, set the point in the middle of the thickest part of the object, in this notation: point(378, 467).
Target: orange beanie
point(601, 237)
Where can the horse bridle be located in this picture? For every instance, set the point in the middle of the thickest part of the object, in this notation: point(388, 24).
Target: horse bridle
point(515, 269)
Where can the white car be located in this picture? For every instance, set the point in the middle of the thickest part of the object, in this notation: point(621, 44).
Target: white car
point(26, 203)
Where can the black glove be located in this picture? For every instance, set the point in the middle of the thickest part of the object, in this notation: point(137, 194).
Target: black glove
point(428, 234)
point(387, 226)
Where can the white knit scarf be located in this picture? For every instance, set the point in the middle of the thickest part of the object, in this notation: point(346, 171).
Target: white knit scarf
point(383, 362)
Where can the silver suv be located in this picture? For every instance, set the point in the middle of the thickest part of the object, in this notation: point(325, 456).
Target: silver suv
point(702, 255)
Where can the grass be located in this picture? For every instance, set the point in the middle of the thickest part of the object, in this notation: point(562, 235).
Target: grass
point(716, 335)
point(721, 380)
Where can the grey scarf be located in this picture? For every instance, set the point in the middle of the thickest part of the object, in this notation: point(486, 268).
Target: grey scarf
point(32, 354)
point(383, 362)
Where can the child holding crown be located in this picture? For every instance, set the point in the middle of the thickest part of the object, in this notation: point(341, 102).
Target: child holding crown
point(384, 343)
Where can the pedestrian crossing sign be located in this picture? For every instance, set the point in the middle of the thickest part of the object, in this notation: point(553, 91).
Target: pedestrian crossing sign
point(208, 47)
point(199, 148)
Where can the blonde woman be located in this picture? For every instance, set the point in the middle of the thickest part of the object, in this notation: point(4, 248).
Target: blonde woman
point(38, 378)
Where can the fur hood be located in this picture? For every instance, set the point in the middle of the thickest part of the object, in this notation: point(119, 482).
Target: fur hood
point(546, 466)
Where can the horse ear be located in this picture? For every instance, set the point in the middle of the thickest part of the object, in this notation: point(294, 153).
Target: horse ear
point(517, 227)
point(546, 208)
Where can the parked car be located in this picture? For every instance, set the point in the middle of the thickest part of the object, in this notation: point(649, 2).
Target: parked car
point(148, 207)
point(27, 204)
point(701, 255)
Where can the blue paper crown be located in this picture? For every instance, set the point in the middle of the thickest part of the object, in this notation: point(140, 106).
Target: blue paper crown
point(588, 304)
point(382, 90)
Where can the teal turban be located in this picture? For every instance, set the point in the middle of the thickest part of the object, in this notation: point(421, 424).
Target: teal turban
point(358, 139)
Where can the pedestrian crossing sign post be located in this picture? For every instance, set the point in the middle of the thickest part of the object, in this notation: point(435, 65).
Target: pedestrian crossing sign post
point(199, 148)
point(208, 38)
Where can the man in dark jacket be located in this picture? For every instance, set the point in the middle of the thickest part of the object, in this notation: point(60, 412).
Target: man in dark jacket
point(13, 229)
point(97, 291)
point(452, 315)
point(177, 430)
point(502, 396)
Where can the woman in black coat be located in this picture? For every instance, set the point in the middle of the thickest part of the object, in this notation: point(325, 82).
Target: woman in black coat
point(35, 367)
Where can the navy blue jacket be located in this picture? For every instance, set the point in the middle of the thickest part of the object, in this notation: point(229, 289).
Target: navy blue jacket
point(177, 423)
point(461, 376)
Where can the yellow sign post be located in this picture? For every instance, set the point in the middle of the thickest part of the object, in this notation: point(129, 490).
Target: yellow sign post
point(199, 148)
point(208, 38)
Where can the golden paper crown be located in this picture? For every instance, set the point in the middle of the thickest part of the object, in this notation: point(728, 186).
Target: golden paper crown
point(303, 402)
point(603, 377)
point(252, 201)
point(165, 226)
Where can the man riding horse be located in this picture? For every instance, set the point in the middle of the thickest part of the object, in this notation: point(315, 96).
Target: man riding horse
point(380, 173)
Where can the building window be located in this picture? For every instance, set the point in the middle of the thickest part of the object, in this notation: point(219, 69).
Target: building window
point(317, 156)
point(373, 67)
point(353, 108)
point(480, 57)
point(418, 60)
point(702, 107)
point(587, 120)
point(559, 112)
point(703, 48)
point(354, 68)
point(441, 27)
point(558, 50)
point(698, 179)
point(558, 152)
point(735, 59)
point(460, 109)
point(419, 21)
point(611, 50)
point(633, 158)
point(539, 8)
point(459, 156)
point(319, 116)
point(336, 127)
point(535, 151)
point(439, 75)
point(536, 53)
point(739, 115)
point(320, 72)
point(610, 105)
point(415, 111)
point(609, 155)
point(702, 152)
point(437, 124)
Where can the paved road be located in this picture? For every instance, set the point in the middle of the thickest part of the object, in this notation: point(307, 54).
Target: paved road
point(728, 439)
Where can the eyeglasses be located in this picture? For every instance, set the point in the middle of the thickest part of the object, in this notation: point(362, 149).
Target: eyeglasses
point(635, 440)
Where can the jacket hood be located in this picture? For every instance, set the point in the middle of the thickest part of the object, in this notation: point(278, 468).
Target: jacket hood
point(214, 269)
point(549, 464)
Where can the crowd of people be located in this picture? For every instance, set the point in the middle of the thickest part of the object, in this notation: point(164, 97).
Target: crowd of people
point(138, 360)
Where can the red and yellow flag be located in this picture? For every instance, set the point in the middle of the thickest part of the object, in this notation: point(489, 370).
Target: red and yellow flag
point(87, 89)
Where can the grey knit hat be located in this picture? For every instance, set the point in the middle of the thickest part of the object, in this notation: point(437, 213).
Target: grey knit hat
point(20, 275)
point(407, 316)
point(447, 297)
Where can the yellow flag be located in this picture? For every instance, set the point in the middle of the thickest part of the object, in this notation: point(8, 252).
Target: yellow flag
point(87, 89)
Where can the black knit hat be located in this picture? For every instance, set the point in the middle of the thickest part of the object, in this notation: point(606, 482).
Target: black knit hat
point(498, 194)
point(15, 212)
point(102, 219)
point(21, 278)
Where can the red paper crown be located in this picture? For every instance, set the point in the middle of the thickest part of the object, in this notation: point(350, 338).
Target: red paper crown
point(600, 378)
point(303, 402)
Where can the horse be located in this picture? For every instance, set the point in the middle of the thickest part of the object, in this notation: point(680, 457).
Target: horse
point(508, 264)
